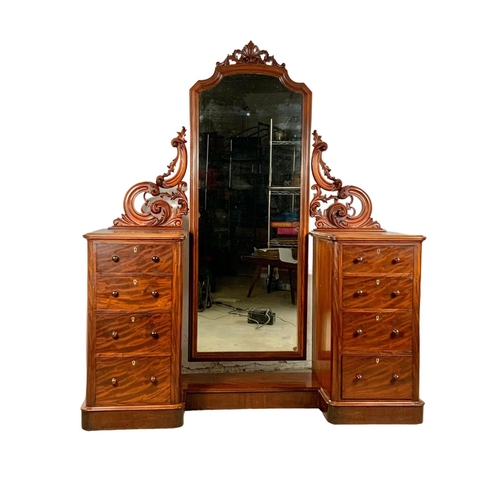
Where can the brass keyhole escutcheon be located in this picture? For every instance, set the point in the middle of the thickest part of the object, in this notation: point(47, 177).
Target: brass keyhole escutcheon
point(377, 360)
point(135, 249)
point(377, 282)
point(134, 282)
point(133, 362)
point(132, 319)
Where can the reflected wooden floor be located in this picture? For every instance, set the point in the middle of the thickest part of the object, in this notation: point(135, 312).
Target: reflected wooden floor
point(225, 327)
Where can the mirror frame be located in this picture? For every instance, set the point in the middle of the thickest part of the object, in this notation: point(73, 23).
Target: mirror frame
point(250, 60)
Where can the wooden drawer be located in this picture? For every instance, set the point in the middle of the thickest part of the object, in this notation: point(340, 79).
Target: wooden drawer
point(376, 331)
point(372, 377)
point(131, 294)
point(371, 292)
point(132, 380)
point(134, 333)
point(138, 258)
point(377, 259)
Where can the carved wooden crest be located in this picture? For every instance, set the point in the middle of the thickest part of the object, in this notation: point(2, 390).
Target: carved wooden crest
point(348, 207)
point(164, 202)
point(250, 54)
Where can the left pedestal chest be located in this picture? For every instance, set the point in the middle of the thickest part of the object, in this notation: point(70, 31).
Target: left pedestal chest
point(134, 324)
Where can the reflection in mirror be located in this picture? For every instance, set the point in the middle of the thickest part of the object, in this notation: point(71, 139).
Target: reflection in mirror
point(249, 179)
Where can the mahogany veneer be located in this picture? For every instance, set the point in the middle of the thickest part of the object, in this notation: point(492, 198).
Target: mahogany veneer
point(366, 301)
point(250, 390)
point(134, 329)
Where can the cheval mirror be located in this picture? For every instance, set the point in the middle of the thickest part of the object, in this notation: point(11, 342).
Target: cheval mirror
point(249, 203)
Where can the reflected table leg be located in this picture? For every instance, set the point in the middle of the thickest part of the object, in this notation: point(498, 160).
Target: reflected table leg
point(270, 278)
point(291, 275)
point(256, 277)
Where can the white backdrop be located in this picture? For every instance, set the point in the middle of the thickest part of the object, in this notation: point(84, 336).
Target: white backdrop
point(91, 94)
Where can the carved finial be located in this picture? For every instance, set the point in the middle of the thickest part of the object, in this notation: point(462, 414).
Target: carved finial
point(250, 54)
point(157, 209)
point(339, 214)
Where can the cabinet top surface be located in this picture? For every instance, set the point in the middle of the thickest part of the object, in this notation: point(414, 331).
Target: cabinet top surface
point(365, 236)
point(137, 234)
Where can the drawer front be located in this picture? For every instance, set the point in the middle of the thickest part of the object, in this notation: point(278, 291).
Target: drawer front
point(127, 293)
point(132, 381)
point(372, 377)
point(135, 332)
point(385, 292)
point(139, 258)
point(377, 259)
point(367, 331)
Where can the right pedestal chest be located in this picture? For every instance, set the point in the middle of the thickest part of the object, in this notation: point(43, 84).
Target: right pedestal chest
point(366, 299)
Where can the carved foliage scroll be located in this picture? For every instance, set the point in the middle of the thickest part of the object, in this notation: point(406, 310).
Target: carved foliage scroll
point(250, 54)
point(164, 202)
point(348, 207)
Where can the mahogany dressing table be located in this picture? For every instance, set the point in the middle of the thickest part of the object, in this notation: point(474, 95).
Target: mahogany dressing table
point(251, 160)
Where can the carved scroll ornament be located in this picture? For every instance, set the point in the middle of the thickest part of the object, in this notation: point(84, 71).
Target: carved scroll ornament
point(341, 212)
point(158, 208)
point(250, 54)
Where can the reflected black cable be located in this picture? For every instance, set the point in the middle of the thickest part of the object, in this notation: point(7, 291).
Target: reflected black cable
point(238, 311)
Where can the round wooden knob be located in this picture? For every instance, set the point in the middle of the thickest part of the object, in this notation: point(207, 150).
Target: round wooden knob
point(396, 260)
point(153, 380)
point(395, 293)
point(115, 258)
point(155, 294)
point(359, 293)
point(395, 332)
point(114, 293)
point(155, 258)
point(358, 259)
point(359, 376)
point(359, 331)
point(114, 381)
point(154, 334)
point(395, 377)
point(114, 334)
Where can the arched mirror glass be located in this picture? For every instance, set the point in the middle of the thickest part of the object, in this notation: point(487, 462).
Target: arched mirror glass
point(250, 128)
